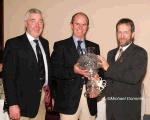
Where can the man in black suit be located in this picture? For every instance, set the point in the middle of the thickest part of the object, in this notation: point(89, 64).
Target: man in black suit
point(70, 100)
point(26, 71)
point(125, 71)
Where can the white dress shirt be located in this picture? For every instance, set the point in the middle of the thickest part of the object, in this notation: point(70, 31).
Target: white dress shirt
point(123, 49)
point(33, 44)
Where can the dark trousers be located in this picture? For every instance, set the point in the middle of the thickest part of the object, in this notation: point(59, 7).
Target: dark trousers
point(52, 116)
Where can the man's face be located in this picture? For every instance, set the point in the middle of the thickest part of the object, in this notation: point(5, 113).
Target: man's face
point(79, 26)
point(34, 25)
point(124, 34)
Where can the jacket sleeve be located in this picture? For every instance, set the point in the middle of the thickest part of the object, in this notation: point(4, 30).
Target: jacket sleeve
point(9, 73)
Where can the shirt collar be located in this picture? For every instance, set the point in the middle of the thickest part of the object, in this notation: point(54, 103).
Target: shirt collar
point(125, 47)
point(30, 38)
point(76, 40)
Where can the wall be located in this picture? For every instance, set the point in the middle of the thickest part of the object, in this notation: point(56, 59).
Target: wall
point(103, 15)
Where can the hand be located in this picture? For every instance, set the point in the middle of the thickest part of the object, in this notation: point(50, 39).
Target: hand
point(14, 112)
point(103, 62)
point(95, 77)
point(47, 95)
point(50, 105)
point(1, 66)
point(49, 102)
point(80, 71)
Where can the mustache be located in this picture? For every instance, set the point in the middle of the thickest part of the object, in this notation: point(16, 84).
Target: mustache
point(126, 43)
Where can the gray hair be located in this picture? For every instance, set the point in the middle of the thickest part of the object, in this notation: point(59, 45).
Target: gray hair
point(31, 11)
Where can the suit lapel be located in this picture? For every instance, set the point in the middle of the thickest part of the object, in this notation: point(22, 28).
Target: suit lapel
point(46, 49)
point(111, 59)
point(127, 52)
point(124, 55)
point(87, 44)
point(28, 48)
point(72, 48)
point(43, 45)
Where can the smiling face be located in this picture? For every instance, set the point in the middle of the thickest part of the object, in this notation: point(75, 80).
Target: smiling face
point(79, 26)
point(34, 24)
point(124, 34)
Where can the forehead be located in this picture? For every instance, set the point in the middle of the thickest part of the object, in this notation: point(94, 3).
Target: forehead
point(35, 15)
point(80, 17)
point(124, 27)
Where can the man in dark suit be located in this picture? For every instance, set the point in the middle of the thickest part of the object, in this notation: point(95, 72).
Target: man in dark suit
point(70, 100)
point(26, 71)
point(125, 71)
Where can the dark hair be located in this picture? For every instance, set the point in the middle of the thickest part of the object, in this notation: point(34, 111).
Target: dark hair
point(126, 21)
point(80, 13)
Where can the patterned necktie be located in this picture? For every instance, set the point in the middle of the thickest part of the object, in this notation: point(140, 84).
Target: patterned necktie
point(40, 63)
point(120, 53)
point(79, 49)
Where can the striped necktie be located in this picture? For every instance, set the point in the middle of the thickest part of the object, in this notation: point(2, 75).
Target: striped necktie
point(40, 63)
point(120, 53)
point(79, 49)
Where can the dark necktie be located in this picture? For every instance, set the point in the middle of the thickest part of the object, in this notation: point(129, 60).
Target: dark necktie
point(40, 62)
point(79, 49)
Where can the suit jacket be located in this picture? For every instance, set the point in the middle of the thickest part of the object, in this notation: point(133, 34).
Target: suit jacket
point(124, 78)
point(70, 84)
point(21, 76)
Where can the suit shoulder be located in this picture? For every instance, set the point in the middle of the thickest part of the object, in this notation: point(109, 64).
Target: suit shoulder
point(112, 51)
point(140, 51)
point(14, 40)
point(93, 43)
point(139, 48)
point(44, 39)
point(62, 42)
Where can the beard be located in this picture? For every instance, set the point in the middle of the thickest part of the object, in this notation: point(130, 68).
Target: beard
point(126, 43)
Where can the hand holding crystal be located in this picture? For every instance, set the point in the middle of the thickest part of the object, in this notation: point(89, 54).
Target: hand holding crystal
point(103, 62)
point(94, 77)
point(80, 70)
